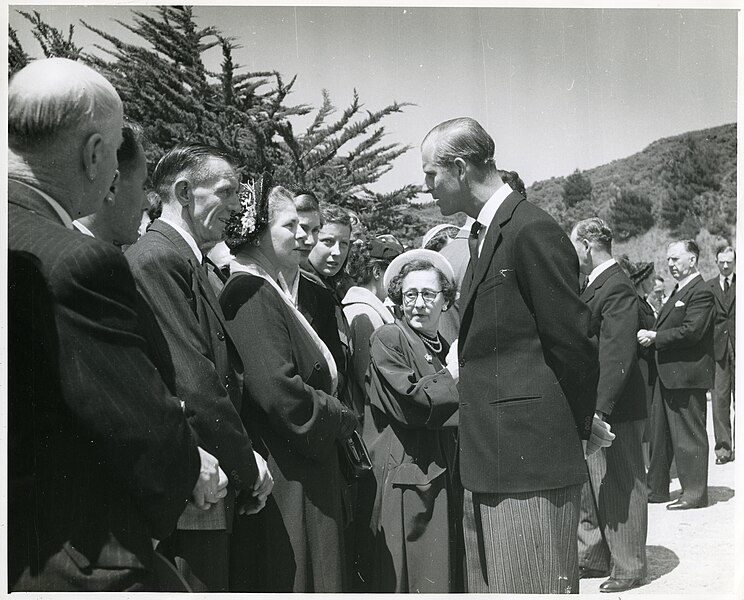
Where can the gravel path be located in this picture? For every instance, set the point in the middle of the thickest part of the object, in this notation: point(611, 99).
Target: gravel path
point(692, 552)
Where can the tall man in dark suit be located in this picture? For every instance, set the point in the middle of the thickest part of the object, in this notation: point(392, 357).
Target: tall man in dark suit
point(101, 457)
point(527, 374)
point(683, 339)
point(724, 347)
point(614, 507)
point(198, 188)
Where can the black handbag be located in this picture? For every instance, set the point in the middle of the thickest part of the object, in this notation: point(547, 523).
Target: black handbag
point(353, 457)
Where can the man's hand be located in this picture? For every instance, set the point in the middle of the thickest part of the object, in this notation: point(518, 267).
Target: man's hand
point(601, 437)
point(211, 486)
point(452, 361)
point(646, 337)
point(261, 489)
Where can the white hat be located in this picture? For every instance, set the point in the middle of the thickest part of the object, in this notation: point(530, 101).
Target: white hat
point(434, 258)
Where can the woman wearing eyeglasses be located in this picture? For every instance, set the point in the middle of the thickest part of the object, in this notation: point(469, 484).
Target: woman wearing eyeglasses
point(411, 432)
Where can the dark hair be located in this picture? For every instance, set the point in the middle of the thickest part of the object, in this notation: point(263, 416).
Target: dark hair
point(724, 248)
point(133, 139)
point(462, 138)
point(183, 157)
point(309, 203)
point(332, 214)
point(395, 287)
point(690, 246)
point(594, 230)
point(514, 181)
point(441, 238)
point(360, 265)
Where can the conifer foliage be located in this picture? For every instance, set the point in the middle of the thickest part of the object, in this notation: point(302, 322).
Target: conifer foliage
point(631, 213)
point(166, 87)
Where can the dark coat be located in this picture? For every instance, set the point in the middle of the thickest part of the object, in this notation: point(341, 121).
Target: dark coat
point(107, 456)
point(528, 366)
point(411, 435)
point(621, 391)
point(684, 338)
point(724, 332)
point(647, 359)
point(198, 359)
point(295, 544)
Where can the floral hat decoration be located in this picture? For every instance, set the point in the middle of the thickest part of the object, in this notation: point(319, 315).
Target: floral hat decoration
point(246, 225)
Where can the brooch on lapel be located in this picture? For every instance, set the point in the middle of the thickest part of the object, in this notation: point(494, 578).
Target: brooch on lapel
point(428, 357)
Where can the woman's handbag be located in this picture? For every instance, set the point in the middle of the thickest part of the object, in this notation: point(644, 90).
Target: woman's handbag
point(353, 456)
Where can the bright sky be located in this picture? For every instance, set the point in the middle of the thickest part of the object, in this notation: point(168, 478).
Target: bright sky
point(558, 89)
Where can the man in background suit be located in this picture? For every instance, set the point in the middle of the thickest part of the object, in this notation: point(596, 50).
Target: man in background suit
point(614, 508)
point(198, 188)
point(724, 347)
point(101, 458)
point(527, 374)
point(683, 339)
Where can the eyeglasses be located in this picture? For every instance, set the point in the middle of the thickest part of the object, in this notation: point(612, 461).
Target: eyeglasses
point(428, 296)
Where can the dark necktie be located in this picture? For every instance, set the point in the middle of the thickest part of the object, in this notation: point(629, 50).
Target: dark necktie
point(726, 285)
point(473, 241)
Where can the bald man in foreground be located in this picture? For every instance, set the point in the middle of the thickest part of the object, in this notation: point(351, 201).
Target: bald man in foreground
point(100, 458)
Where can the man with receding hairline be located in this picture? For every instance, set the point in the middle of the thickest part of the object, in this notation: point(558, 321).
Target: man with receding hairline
point(527, 374)
point(683, 342)
point(106, 460)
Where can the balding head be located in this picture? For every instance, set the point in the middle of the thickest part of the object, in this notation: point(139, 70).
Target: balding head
point(64, 127)
point(57, 97)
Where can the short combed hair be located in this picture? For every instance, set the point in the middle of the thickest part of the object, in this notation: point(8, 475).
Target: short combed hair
point(66, 96)
point(305, 200)
point(395, 287)
point(594, 230)
point(332, 214)
point(721, 248)
point(184, 157)
point(514, 181)
point(689, 245)
point(133, 138)
point(462, 138)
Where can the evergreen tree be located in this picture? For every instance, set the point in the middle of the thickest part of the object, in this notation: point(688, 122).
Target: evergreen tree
point(631, 213)
point(576, 188)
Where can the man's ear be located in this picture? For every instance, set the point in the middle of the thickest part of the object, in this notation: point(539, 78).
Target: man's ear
point(461, 167)
point(182, 191)
point(92, 155)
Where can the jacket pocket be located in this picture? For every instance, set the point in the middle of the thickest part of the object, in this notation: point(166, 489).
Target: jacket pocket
point(490, 283)
point(515, 399)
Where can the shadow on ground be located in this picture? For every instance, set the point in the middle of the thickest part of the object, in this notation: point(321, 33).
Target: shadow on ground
point(661, 561)
point(718, 494)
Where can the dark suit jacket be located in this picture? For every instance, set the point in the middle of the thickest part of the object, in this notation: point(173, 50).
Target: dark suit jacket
point(528, 367)
point(684, 338)
point(200, 359)
point(108, 456)
point(294, 422)
point(621, 391)
point(646, 320)
point(724, 331)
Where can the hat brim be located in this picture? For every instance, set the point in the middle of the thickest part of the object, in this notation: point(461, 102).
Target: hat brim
point(436, 259)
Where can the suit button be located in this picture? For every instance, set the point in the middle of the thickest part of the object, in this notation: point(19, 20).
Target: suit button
point(462, 362)
point(317, 366)
point(220, 336)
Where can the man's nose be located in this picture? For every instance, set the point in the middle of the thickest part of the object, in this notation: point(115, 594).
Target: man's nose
point(335, 250)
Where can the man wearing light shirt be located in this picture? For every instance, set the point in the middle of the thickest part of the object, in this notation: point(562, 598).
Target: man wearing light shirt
point(614, 509)
point(527, 374)
point(724, 342)
point(683, 340)
point(198, 187)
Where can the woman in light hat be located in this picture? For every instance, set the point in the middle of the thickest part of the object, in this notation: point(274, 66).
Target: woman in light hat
point(411, 431)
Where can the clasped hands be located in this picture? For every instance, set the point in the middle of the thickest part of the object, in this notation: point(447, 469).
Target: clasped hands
point(211, 486)
point(600, 437)
point(646, 337)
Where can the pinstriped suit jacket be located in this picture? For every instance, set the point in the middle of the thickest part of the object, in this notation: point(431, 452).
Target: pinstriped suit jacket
point(200, 363)
point(111, 459)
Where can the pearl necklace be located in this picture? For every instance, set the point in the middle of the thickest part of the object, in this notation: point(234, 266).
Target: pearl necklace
point(434, 345)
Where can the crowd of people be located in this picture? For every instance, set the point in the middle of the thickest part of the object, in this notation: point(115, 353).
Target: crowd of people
point(219, 385)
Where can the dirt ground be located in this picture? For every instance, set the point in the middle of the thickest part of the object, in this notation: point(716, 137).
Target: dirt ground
point(693, 552)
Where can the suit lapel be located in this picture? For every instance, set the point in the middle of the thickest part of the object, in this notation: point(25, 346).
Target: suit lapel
point(492, 241)
point(592, 288)
point(29, 199)
point(680, 296)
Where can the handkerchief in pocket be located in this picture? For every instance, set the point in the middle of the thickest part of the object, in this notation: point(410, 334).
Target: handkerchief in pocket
point(678, 304)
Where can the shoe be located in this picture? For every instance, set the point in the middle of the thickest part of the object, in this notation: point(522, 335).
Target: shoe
point(619, 585)
point(682, 505)
point(654, 499)
point(722, 460)
point(587, 573)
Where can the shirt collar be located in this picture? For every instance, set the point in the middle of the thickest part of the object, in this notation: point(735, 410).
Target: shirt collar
point(56, 206)
point(683, 282)
point(722, 279)
point(186, 236)
point(82, 228)
point(599, 269)
point(488, 212)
